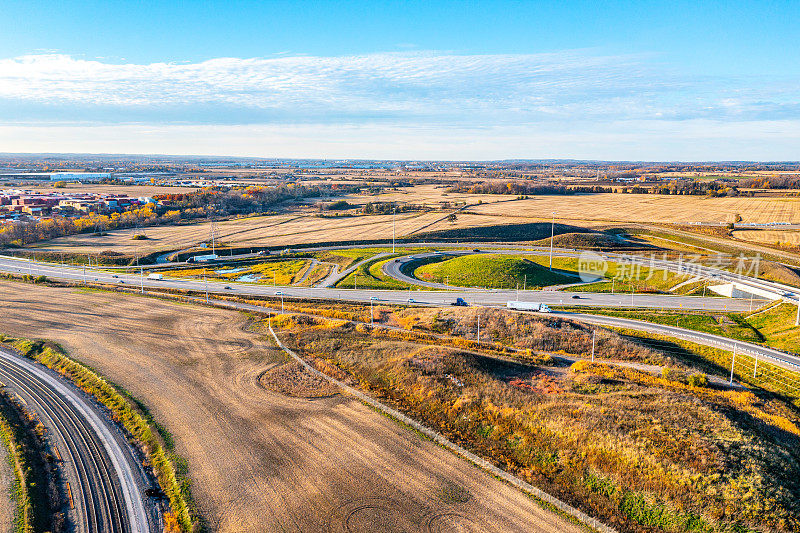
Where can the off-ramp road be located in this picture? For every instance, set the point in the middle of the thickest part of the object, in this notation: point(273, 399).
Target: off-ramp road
point(262, 460)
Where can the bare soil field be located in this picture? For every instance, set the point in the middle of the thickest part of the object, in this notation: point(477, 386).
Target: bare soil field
point(260, 460)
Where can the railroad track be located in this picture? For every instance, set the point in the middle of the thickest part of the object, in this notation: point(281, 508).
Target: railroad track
point(97, 499)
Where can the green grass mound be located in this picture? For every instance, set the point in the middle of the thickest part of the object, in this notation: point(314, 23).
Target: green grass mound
point(587, 241)
point(491, 270)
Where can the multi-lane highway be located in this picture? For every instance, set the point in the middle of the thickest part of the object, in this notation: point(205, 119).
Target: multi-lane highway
point(104, 483)
point(475, 296)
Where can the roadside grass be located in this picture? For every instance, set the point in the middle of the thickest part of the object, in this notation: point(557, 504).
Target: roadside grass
point(163, 462)
point(19, 490)
point(282, 272)
point(717, 361)
point(370, 276)
point(643, 453)
point(731, 325)
point(492, 271)
point(777, 327)
point(346, 257)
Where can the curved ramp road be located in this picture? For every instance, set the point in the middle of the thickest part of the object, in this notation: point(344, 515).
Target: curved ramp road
point(783, 359)
point(105, 481)
point(474, 296)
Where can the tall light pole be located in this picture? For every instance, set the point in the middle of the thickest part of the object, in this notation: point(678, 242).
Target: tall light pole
point(394, 224)
point(141, 280)
point(797, 318)
point(594, 331)
point(205, 282)
point(280, 293)
point(552, 235)
point(733, 360)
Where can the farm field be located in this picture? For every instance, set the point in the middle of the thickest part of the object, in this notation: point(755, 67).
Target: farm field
point(261, 460)
point(606, 207)
point(769, 236)
point(278, 230)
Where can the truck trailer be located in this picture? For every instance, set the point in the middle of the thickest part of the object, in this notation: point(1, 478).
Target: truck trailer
point(528, 306)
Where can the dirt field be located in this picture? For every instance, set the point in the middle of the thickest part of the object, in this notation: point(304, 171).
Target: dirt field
point(260, 460)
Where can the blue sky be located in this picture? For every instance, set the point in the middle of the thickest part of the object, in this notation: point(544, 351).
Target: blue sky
point(409, 80)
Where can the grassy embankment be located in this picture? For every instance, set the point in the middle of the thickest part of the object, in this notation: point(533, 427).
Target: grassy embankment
point(773, 327)
point(370, 274)
point(492, 271)
point(162, 459)
point(19, 488)
point(641, 452)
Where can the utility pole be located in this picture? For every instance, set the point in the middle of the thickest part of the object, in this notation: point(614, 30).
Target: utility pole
point(141, 280)
point(755, 367)
point(733, 360)
point(552, 233)
point(594, 331)
point(205, 282)
point(797, 318)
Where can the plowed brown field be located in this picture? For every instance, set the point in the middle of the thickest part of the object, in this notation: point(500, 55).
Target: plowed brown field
point(260, 460)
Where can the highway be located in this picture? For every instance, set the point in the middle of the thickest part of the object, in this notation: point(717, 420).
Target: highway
point(473, 296)
point(105, 481)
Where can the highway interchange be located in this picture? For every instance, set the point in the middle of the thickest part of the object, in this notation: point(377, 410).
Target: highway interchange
point(107, 482)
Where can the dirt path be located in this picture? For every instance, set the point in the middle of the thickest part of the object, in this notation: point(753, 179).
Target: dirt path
point(260, 460)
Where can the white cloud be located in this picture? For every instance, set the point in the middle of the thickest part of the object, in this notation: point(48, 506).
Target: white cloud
point(390, 85)
point(403, 105)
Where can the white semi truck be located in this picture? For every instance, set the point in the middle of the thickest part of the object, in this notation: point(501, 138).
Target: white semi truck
point(528, 306)
point(155, 276)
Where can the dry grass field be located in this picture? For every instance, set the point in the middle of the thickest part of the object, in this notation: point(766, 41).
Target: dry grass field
point(278, 230)
point(770, 236)
point(260, 460)
point(608, 207)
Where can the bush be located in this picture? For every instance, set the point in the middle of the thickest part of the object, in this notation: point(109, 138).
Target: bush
point(698, 379)
point(140, 237)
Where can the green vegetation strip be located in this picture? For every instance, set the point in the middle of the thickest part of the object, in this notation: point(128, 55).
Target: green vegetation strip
point(163, 462)
point(19, 490)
